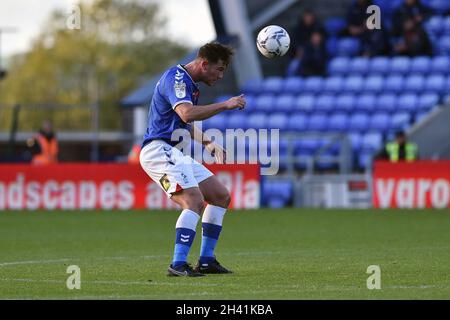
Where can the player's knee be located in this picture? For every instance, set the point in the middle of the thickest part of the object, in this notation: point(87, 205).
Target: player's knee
point(196, 203)
point(226, 199)
point(221, 199)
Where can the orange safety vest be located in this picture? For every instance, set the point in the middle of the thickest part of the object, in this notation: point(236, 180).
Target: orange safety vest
point(133, 156)
point(49, 150)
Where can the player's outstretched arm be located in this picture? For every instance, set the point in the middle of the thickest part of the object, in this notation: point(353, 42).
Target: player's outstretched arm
point(189, 113)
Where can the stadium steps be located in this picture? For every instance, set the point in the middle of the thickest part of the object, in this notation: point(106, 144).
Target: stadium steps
point(433, 128)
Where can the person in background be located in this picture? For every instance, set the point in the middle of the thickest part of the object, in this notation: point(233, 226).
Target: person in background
point(375, 42)
point(44, 145)
point(306, 26)
point(133, 155)
point(314, 57)
point(399, 150)
point(356, 18)
point(301, 40)
point(415, 41)
point(409, 10)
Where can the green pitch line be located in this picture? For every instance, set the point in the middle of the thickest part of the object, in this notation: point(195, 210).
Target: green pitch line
point(275, 254)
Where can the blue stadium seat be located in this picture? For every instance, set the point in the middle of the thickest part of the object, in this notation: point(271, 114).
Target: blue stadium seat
point(297, 122)
point(420, 116)
point(355, 140)
point(277, 193)
point(408, 102)
point(427, 101)
point(400, 65)
point(253, 87)
point(388, 6)
point(305, 103)
point(257, 121)
point(312, 84)
point(219, 121)
point(345, 102)
point(277, 120)
point(440, 6)
point(414, 83)
point(366, 103)
point(333, 84)
point(250, 105)
point(435, 83)
point(331, 46)
point(420, 65)
point(359, 65)
point(334, 25)
point(348, 46)
point(374, 84)
point(446, 26)
point(339, 66)
point(324, 103)
point(306, 146)
point(379, 122)
point(265, 103)
point(365, 159)
point(394, 84)
point(293, 85)
point(386, 102)
point(237, 120)
point(338, 122)
point(444, 45)
point(358, 122)
point(447, 85)
point(317, 122)
point(434, 25)
point(273, 85)
point(353, 84)
point(372, 141)
point(379, 65)
point(400, 121)
point(284, 103)
point(440, 64)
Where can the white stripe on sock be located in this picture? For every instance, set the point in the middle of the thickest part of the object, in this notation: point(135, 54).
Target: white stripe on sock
point(188, 219)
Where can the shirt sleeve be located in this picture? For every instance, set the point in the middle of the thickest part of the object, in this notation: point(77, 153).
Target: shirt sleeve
point(179, 89)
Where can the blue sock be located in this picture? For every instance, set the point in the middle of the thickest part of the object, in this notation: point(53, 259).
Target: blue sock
point(210, 236)
point(183, 242)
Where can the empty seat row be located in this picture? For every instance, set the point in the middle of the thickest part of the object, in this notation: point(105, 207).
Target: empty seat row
point(299, 122)
point(438, 25)
point(414, 82)
point(388, 65)
point(346, 102)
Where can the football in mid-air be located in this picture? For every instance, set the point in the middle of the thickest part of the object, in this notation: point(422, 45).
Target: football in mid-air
point(273, 41)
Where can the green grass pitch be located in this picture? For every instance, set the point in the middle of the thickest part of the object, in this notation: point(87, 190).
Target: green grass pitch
point(276, 254)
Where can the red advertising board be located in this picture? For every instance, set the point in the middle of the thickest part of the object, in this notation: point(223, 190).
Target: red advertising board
point(108, 186)
point(421, 184)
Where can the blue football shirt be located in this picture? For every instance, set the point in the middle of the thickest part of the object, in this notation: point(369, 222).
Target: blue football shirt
point(174, 87)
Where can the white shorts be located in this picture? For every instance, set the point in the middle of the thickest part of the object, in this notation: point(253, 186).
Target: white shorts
point(170, 168)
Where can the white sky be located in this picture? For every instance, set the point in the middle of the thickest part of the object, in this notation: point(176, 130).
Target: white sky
point(188, 21)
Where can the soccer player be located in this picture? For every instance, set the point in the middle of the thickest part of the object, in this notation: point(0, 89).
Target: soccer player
point(185, 181)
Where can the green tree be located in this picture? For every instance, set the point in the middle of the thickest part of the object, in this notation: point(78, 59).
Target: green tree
point(119, 45)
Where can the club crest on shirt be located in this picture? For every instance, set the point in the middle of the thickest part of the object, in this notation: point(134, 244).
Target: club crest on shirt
point(165, 183)
point(180, 89)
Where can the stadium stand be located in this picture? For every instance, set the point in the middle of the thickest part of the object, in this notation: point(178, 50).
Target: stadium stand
point(368, 99)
